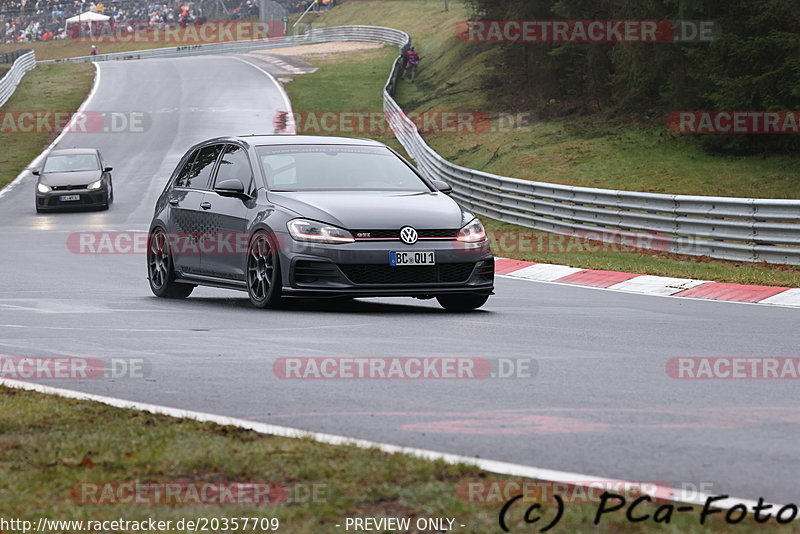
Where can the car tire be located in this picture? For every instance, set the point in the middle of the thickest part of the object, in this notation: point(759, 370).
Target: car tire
point(263, 272)
point(160, 272)
point(462, 302)
point(110, 193)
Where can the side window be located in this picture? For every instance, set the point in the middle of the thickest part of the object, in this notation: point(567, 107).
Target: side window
point(180, 181)
point(200, 172)
point(235, 164)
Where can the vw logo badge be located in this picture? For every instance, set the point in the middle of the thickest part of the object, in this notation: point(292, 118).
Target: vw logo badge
point(408, 235)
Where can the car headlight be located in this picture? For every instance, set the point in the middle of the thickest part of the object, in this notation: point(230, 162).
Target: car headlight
point(43, 188)
point(472, 232)
point(317, 232)
point(96, 185)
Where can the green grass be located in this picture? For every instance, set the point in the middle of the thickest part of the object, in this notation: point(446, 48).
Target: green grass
point(334, 88)
point(48, 445)
point(57, 87)
point(587, 151)
point(353, 81)
point(580, 153)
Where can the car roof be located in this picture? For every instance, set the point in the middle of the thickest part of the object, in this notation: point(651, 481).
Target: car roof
point(64, 151)
point(291, 139)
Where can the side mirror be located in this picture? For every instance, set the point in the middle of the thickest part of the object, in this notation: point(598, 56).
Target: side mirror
point(108, 169)
point(231, 188)
point(36, 173)
point(442, 186)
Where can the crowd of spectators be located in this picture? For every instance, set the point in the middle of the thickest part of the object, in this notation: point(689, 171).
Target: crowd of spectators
point(42, 20)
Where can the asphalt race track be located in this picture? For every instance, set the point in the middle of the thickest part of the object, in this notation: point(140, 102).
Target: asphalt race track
point(601, 403)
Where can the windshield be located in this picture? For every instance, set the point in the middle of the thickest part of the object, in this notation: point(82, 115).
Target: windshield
point(72, 163)
point(336, 168)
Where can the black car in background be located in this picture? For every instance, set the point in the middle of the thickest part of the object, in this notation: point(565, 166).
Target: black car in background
point(306, 216)
point(73, 178)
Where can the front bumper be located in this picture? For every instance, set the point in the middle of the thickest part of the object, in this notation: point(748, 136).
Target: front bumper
point(362, 269)
point(87, 198)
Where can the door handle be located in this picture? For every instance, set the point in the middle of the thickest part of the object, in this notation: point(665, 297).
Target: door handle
point(173, 201)
point(206, 205)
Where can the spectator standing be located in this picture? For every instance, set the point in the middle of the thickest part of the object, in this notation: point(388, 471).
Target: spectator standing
point(411, 61)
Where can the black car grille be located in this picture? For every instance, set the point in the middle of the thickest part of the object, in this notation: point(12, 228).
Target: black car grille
point(86, 200)
point(68, 187)
point(395, 234)
point(419, 274)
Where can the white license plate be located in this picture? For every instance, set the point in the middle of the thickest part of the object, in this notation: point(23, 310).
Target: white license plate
point(411, 258)
point(69, 198)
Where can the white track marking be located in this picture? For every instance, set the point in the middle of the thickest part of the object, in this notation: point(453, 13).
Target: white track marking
point(657, 285)
point(286, 102)
point(544, 272)
point(790, 297)
point(493, 466)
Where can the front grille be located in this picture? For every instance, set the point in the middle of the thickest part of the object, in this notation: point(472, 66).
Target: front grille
point(395, 234)
point(417, 274)
point(308, 272)
point(86, 200)
point(68, 187)
point(451, 234)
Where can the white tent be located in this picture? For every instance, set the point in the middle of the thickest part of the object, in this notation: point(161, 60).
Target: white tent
point(89, 16)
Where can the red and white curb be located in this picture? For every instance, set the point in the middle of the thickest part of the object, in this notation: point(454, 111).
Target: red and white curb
point(284, 66)
point(647, 284)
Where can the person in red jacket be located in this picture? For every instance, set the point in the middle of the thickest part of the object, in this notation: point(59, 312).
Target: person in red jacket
point(412, 60)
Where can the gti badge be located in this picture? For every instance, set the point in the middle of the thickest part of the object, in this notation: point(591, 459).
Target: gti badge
point(408, 235)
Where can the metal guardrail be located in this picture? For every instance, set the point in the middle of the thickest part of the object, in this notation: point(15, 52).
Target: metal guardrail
point(320, 35)
point(24, 61)
point(11, 57)
point(742, 229)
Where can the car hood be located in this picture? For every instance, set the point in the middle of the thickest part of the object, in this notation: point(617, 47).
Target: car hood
point(70, 178)
point(374, 210)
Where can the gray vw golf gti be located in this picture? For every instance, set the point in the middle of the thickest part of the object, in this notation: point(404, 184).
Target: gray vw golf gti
point(305, 216)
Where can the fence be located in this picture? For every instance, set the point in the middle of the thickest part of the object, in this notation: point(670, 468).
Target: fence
point(743, 229)
point(22, 61)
